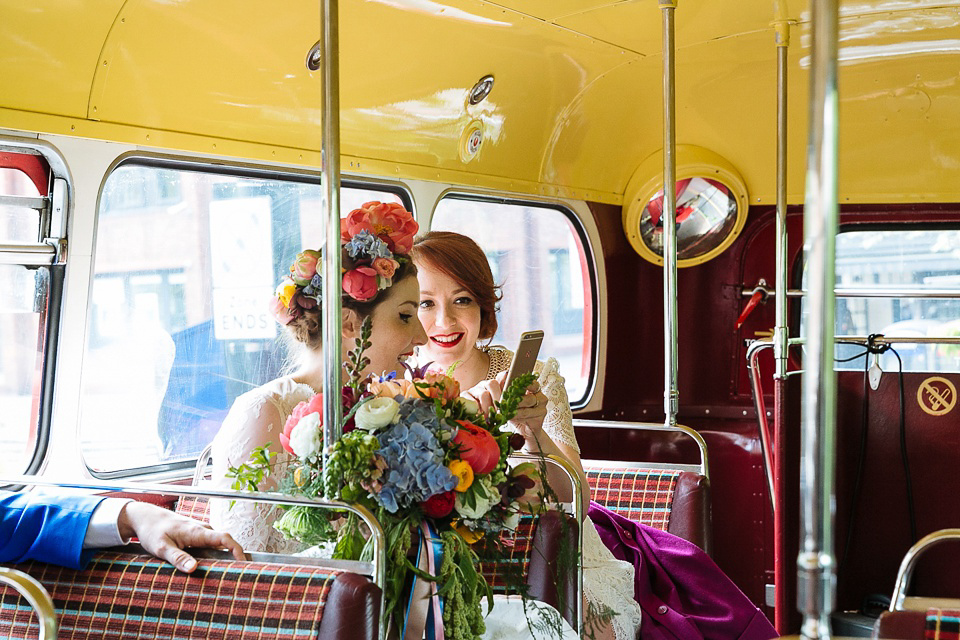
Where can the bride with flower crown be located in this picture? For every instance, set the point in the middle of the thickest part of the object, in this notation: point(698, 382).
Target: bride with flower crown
point(379, 282)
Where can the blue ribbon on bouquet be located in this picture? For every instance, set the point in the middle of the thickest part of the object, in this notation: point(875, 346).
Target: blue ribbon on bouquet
point(424, 598)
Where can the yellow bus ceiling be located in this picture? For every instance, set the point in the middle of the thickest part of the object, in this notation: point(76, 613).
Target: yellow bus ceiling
point(575, 109)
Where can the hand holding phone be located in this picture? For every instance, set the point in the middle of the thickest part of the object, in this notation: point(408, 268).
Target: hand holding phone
point(525, 356)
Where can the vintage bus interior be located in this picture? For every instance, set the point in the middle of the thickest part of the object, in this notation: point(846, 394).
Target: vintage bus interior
point(161, 162)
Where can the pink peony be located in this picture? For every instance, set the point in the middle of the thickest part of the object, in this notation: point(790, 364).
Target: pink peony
point(385, 267)
point(305, 266)
point(477, 447)
point(387, 220)
point(360, 283)
point(305, 408)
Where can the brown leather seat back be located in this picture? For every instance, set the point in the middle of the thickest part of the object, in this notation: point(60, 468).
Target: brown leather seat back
point(542, 555)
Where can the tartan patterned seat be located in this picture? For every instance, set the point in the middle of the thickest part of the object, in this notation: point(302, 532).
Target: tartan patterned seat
point(666, 499)
point(535, 557)
point(942, 624)
point(642, 495)
point(193, 507)
point(125, 595)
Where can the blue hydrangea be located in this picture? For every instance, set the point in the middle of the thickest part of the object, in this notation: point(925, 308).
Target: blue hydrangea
point(415, 469)
point(365, 243)
point(313, 287)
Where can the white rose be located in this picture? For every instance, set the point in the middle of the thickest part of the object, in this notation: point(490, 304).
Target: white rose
point(485, 496)
point(306, 439)
point(376, 414)
point(469, 405)
point(512, 521)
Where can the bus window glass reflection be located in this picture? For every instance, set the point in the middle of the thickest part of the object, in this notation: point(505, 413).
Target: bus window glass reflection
point(184, 266)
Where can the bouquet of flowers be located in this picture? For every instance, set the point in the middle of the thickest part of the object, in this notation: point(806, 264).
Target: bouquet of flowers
point(421, 458)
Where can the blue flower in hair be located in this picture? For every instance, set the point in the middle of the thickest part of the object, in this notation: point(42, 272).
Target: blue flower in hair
point(367, 244)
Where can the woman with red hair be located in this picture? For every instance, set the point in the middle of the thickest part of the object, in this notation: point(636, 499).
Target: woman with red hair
point(458, 309)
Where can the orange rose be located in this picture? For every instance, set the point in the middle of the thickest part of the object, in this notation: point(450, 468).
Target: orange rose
point(387, 220)
point(436, 380)
point(393, 388)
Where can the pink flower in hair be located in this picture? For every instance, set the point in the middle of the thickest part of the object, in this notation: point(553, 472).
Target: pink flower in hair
point(387, 220)
point(305, 267)
point(386, 267)
point(360, 283)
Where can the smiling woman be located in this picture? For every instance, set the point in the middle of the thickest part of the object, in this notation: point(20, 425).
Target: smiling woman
point(378, 288)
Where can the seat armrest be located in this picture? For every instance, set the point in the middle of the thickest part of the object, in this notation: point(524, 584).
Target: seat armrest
point(690, 512)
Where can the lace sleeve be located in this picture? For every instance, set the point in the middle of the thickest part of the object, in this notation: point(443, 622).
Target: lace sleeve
point(559, 421)
point(252, 422)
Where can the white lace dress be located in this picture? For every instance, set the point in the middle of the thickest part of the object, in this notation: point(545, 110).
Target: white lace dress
point(256, 418)
point(607, 581)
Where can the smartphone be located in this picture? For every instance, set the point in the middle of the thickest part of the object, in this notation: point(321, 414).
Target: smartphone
point(525, 355)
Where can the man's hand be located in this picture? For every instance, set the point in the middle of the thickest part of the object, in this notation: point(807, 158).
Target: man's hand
point(165, 534)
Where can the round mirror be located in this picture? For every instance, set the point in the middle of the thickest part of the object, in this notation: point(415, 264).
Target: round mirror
point(711, 206)
point(706, 214)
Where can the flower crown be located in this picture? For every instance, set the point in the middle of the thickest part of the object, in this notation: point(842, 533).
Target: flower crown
point(374, 241)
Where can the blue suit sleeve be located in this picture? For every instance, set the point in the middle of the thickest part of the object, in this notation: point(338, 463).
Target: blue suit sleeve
point(47, 528)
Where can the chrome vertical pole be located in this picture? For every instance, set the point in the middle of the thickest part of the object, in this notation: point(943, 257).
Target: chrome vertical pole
point(782, 33)
point(671, 396)
point(330, 179)
point(815, 565)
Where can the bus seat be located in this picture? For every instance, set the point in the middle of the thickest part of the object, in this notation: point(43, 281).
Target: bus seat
point(192, 506)
point(539, 544)
point(920, 617)
point(132, 595)
point(677, 502)
point(900, 625)
point(934, 624)
point(672, 497)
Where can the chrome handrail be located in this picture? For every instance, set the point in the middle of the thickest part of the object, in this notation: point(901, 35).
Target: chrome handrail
point(38, 597)
point(378, 566)
point(867, 292)
point(816, 567)
point(703, 468)
point(671, 393)
point(908, 564)
point(766, 439)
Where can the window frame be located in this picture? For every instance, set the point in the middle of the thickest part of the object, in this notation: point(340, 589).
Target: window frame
point(48, 252)
point(161, 161)
point(584, 238)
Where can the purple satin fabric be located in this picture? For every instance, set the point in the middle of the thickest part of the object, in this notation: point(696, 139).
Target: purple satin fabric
point(683, 593)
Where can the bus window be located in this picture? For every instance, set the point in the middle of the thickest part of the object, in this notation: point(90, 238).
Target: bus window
point(537, 256)
point(185, 262)
point(23, 303)
point(902, 259)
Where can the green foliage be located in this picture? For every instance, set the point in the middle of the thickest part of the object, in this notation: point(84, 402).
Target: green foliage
point(250, 475)
point(356, 361)
point(510, 400)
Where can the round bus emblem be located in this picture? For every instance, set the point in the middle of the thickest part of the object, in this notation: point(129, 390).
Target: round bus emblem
point(937, 396)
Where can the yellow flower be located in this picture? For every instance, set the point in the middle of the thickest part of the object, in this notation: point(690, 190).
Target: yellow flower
point(285, 292)
point(464, 473)
point(468, 535)
point(301, 476)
